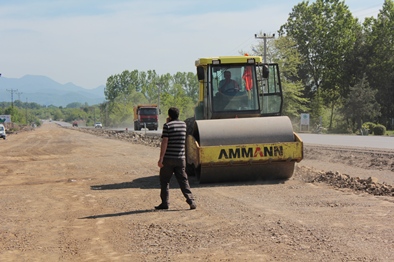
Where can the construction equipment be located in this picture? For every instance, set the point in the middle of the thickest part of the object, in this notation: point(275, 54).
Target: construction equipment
point(239, 134)
point(146, 116)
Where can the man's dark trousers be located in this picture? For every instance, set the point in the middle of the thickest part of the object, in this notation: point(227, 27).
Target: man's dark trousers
point(174, 166)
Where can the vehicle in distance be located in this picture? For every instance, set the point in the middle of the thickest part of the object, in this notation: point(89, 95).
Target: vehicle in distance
point(146, 116)
point(75, 123)
point(98, 125)
point(2, 132)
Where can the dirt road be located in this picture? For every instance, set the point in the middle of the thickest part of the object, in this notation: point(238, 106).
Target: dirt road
point(72, 196)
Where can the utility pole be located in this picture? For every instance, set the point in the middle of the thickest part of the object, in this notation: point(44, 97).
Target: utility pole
point(27, 122)
point(159, 86)
point(12, 96)
point(264, 37)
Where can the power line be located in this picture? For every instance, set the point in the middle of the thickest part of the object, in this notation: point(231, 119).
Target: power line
point(242, 44)
point(366, 11)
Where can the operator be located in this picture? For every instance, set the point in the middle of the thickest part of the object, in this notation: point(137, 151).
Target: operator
point(172, 159)
point(228, 86)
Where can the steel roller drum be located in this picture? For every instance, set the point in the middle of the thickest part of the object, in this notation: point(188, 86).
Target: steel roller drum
point(242, 131)
point(238, 131)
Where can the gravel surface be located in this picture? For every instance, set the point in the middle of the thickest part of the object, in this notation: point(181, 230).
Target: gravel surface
point(89, 196)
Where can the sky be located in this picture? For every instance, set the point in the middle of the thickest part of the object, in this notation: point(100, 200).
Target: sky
point(86, 41)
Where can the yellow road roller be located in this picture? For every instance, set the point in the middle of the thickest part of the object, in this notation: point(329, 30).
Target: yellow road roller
point(238, 131)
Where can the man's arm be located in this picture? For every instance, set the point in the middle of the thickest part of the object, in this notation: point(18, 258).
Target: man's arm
point(221, 85)
point(163, 148)
point(236, 85)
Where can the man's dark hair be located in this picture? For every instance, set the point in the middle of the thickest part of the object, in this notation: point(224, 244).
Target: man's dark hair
point(173, 112)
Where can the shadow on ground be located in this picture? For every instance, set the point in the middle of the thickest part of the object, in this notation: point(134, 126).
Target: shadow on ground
point(152, 182)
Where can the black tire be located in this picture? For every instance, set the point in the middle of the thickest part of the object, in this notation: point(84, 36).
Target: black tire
point(190, 125)
point(190, 169)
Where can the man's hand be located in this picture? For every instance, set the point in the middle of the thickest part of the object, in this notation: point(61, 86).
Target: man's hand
point(163, 148)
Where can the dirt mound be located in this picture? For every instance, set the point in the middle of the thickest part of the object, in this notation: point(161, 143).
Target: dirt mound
point(129, 136)
point(338, 180)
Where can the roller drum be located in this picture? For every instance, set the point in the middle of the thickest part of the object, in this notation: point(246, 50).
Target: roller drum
point(238, 132)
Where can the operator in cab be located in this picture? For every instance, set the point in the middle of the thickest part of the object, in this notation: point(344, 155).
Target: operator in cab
point(228, 86)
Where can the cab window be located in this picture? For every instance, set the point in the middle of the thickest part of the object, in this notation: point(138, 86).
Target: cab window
point(234, 88)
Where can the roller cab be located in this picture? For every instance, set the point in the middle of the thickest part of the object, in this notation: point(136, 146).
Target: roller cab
point(238, 132)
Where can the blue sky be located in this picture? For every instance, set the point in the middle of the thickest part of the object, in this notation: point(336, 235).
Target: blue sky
point(86, 41)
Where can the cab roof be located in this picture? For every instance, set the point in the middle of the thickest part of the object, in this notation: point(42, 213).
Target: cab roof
point(227, 60)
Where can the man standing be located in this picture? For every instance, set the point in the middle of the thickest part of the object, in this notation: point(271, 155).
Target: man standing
point(172, 159)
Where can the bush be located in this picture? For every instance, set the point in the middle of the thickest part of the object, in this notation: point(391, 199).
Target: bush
point(340, 128)
point(370, 126)
point(379, 130)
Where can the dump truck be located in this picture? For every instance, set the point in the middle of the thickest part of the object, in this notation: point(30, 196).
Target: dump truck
point(146, 116)
point(238, 131)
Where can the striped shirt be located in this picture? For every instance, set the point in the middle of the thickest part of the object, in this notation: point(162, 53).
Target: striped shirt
point(176, 133)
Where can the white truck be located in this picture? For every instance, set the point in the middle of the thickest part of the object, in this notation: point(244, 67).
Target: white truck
point(2, 132)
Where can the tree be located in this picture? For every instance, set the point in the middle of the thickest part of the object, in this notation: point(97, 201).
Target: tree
point(150, 85)
point(380, 43)
point(189, 83)
point(360, 105)
point(74, 105)
point(287, 56)
point(324, 33)
point(317, 108)
point(122, 84)
point(177, 97)
point(16, 115)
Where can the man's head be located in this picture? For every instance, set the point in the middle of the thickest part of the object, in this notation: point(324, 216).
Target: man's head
point(227, 74)
point(173, 113)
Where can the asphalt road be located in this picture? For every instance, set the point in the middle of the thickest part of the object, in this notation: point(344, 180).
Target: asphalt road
point(381, 142)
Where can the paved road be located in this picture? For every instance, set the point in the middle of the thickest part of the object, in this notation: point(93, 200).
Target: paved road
point(382, 142)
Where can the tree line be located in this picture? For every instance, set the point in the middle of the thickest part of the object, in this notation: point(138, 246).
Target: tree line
point(31, 113)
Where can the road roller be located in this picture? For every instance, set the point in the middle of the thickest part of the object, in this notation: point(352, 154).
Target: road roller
point(238, 132)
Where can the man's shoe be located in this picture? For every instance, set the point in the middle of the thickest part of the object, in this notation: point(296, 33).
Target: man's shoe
point(193, 205)
point(161, 206)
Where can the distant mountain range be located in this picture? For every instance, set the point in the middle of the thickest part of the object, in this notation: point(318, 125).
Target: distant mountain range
point(45, 91)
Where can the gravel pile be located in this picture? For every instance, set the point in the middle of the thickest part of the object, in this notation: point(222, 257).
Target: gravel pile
point(369, 185)
point(129, 136)
point(338, 180)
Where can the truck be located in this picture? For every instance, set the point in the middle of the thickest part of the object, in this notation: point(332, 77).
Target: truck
point(146, 116)
point(238, 131)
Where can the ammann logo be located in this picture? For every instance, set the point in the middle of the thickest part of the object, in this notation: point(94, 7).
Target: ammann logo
point(251, 152)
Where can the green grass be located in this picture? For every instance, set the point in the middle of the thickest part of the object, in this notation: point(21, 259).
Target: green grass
point(390, 133)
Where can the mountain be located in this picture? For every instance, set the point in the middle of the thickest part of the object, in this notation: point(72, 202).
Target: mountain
point(45, 91)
